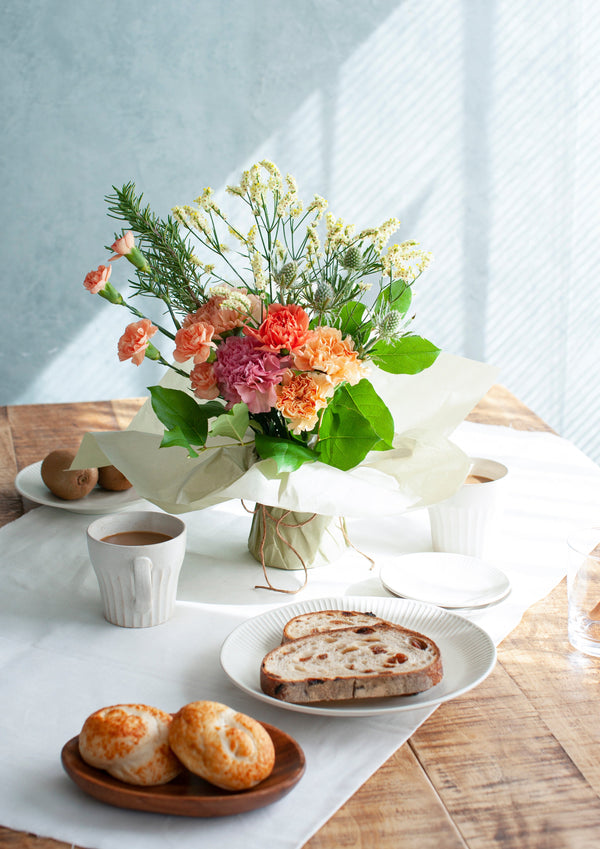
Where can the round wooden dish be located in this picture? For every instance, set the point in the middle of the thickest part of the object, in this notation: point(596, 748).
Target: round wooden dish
point(189, 795)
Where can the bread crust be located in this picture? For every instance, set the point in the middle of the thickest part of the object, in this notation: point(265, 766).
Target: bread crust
point(326, 620)
point(226, 748)
point(131, 743)
point(362, 662)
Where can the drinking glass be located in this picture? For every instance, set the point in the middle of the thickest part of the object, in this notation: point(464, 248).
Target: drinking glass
point(583, 583)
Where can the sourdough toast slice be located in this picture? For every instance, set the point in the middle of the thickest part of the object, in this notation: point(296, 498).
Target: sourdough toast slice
point(367, 661)
point(318, 621)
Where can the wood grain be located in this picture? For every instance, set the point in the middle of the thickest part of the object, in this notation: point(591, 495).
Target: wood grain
point(512, 764)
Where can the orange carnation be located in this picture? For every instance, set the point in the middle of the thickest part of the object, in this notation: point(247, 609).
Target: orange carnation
point(301, 396)
point(135, 340)
point(326, 351)
point(204, 382)
point(224, 318)
point(195, 341)
point(286, 326)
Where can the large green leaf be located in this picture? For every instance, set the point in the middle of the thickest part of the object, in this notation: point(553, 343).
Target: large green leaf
point(233, 424)
point(185, 420)
point(408, 355)
point(288, 454)
point(355, 422)
point(345, 438)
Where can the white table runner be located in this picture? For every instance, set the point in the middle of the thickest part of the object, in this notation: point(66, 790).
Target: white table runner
point(60, 660)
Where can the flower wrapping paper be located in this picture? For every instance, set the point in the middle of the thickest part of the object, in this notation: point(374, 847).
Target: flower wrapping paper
point(423, 468)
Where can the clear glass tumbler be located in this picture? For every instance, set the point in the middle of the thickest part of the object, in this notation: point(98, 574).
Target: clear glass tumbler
point(583, 582)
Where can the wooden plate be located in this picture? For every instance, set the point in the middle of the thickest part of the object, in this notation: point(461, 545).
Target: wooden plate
point(189, 795)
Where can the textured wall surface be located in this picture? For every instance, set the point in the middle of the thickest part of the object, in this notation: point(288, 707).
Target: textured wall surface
point(473, 122)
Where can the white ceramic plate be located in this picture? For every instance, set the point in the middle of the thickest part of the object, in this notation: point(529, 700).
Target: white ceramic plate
point(448, 580)
point(468, 653)
point(29, 483)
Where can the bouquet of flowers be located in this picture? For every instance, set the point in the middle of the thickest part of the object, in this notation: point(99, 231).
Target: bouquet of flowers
point(274, 348)
point(273, 335)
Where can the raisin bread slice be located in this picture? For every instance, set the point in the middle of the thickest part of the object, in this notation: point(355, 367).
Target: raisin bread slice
point(326, 620)
point(368, 661)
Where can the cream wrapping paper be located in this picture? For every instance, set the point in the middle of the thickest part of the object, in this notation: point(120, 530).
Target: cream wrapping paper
point(423, 468)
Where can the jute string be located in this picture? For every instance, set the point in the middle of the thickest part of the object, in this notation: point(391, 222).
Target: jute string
point(281, 523)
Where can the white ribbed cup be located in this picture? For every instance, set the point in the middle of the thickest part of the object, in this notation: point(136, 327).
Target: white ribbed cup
point(468, 522)
point(138, 583)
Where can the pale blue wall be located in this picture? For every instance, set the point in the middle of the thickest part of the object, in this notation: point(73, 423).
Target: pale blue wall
point(471, 121)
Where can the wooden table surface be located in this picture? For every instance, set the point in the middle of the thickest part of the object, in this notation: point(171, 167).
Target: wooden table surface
point(515, 763)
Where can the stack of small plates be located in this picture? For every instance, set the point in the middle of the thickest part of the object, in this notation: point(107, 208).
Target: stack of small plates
point(447, 580)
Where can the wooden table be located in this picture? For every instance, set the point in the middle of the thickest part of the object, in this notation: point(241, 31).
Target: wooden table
point(513, 763)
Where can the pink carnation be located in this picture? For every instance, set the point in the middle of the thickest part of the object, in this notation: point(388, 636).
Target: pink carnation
point(246, 373)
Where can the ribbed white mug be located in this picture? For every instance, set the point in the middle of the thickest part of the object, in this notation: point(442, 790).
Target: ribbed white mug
point(468, 522)
point(138, 583)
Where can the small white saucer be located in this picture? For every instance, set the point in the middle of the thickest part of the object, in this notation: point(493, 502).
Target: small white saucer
point(447, 580)
point(30, 485)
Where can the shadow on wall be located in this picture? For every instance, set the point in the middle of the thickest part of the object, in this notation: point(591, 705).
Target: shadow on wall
point(175, 97)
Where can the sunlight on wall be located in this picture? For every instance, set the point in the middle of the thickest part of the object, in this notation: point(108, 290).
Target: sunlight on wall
point(473, 123)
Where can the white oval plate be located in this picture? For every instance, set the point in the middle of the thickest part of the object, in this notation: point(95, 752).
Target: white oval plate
point(468, 653)
point(448, 580)
point(29, 483)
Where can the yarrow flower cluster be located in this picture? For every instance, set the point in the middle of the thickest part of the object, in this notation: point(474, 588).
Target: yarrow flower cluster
point(272, 339)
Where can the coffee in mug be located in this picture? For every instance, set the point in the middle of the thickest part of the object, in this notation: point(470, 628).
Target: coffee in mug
point(137, 558)
point(136, 538)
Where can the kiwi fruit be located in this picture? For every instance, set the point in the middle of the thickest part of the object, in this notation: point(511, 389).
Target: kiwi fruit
point(66, 484)
point(109, 477)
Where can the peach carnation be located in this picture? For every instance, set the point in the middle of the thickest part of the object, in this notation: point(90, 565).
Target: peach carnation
point(135, 340)
point(95, 281)
point(204, 382)
point(301, 396)
point(123, 246)
point(326, 351)
point(285, 327)
point(195, 341)
point(224, 318)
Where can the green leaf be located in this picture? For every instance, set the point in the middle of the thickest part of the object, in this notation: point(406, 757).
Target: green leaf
point(345, 437)
point(184, 418)
point(288, 455)
point(350, 318)
point(397, 296)
point(408, 355)
point(175, 437)
point(233, 424)
point(355, 422)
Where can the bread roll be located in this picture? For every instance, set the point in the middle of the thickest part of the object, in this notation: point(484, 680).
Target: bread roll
point(228, 749)
point(131, 743)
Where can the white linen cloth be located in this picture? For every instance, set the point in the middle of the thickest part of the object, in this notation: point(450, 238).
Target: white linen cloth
point(60, 660)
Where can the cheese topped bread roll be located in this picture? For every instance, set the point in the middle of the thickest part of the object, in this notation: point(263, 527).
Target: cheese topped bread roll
point(131, 743)
point(226, 748)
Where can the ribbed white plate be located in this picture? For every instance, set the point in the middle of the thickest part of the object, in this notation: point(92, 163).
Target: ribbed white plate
point(29, 483)
point(468, 653)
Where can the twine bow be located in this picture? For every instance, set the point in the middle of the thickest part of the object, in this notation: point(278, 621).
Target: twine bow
point(279, 523)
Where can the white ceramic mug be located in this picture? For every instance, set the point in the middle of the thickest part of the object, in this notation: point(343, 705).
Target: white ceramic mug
point(138, 583)
point(468, 522)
